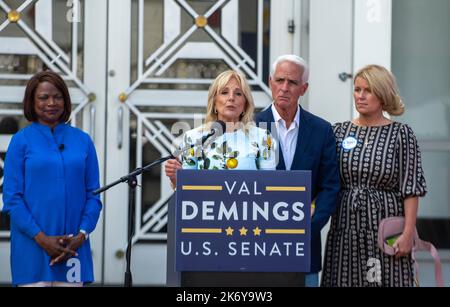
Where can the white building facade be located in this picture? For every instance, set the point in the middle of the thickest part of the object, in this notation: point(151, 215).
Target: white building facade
point(137, 67)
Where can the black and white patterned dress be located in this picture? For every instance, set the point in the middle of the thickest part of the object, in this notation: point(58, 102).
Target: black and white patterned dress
point(379, 168)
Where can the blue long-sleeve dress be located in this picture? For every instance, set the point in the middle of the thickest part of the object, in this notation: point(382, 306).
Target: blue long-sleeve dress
point(48, 187)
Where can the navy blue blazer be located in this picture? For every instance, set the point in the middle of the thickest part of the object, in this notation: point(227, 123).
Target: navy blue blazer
point(316, 151)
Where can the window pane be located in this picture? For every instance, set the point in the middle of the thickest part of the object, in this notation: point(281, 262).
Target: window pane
point(421, 63)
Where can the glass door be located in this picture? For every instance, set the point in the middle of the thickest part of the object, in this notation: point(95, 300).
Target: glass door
point(162, 57)
point(135, 68)
point(421, 63)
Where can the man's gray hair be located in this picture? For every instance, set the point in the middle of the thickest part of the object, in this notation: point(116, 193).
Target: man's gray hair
point(294, 59)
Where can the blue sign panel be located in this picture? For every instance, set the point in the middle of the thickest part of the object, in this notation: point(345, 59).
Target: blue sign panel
point(243, 221)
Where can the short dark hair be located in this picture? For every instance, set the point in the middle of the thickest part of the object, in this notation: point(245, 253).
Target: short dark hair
point(30, 91)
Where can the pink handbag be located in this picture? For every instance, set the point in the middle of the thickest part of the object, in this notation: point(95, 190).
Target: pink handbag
point(393, 226)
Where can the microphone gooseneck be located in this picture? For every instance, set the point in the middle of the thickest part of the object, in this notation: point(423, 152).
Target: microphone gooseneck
point(217, 129)
point(222, 125)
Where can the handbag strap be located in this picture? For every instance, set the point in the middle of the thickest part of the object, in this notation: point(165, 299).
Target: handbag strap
point(420, 245)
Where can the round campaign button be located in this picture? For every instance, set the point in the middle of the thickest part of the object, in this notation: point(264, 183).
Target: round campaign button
point(349, 143)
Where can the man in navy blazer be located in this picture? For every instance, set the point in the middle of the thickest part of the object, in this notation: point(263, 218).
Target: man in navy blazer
point(306, 143)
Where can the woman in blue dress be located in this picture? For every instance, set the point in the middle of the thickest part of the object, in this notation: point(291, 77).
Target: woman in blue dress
point(50, 172)
point(243, 146)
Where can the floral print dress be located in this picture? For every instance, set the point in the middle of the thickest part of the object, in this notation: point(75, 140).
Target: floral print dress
point(252, 149)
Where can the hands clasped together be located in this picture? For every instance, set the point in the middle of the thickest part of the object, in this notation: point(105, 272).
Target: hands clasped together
point(60, 248)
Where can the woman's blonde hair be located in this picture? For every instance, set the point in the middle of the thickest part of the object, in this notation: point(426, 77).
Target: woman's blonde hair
point(219, 83)
point(382, 83)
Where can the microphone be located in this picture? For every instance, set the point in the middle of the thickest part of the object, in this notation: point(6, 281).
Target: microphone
point(217, 129)
point(61, 147)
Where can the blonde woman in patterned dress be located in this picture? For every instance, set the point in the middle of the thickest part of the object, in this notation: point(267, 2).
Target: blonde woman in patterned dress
point(242, 146)
point(381, 176)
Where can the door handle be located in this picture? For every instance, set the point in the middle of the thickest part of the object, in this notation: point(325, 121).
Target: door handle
point(92, 122)
point(344, 76)
point(120, 128)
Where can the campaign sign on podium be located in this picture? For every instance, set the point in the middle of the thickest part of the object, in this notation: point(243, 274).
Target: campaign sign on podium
point(243, 221)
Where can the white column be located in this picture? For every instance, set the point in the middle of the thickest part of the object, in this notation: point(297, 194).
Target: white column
point(116, 199)
point(372, 34)
point(330, 55)
point(94, 78)
point(281, 41)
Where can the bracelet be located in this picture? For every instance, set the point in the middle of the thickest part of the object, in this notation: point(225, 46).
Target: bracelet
point(85, 233)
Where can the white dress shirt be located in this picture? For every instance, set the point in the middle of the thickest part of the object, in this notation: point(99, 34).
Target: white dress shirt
point(287, 138)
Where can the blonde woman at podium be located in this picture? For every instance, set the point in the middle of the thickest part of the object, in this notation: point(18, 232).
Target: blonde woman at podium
point(229, 140)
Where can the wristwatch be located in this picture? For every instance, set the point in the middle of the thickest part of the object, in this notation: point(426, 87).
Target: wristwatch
point(85, 233)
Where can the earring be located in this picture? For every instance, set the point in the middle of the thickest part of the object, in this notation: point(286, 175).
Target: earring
point(215, 111)
point(242, 114)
